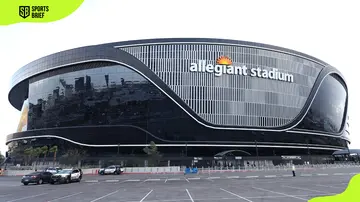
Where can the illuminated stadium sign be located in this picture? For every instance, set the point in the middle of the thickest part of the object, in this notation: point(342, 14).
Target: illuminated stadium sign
point(224, 66)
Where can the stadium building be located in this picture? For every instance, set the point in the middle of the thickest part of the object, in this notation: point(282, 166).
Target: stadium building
point(191, 96)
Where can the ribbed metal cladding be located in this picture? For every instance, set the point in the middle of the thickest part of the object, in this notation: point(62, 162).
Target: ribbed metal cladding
point(232, 99)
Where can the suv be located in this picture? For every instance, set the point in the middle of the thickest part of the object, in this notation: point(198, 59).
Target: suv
point(67, 176)
point(113, 169)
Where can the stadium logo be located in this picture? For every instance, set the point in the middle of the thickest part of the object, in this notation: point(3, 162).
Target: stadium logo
point(224, 65)
point(223, 60)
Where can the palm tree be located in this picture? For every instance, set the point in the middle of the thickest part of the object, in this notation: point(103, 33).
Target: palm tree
point(29, 152)
point(37, 152)
point(44, 150)
point(54, 149)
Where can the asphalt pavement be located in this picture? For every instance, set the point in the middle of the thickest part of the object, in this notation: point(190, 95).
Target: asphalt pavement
point(227, 186)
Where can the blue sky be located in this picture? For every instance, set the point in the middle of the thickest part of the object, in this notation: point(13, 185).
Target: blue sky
point(327, 30)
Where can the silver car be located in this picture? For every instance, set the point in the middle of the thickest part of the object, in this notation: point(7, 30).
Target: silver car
point(67, 176)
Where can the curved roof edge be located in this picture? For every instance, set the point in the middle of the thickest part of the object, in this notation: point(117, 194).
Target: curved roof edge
point(214, 41)
point(218, 41)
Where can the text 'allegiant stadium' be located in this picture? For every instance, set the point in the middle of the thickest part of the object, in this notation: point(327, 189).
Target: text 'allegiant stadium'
point(224, 66)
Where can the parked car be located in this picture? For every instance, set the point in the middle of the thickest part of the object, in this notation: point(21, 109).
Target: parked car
point(113, 169)
point(53, 170)
point(67, 176)
point(36, 177)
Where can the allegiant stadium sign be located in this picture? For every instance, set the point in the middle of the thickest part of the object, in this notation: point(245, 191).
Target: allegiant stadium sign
point(224, 66)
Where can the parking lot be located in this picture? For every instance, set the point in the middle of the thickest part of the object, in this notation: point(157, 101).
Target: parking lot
point(251, 187)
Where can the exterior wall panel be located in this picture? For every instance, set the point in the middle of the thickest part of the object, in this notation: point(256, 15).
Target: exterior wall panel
point(233, 100)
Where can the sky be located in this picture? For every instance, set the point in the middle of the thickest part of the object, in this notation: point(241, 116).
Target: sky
point(328, 30)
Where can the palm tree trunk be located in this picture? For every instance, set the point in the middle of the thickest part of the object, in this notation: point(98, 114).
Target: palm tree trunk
point(44, 159)
point(54, 158)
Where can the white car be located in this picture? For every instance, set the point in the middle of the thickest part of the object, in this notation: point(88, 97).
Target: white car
point(66, 176)
point(53, 170)
point(114, 169)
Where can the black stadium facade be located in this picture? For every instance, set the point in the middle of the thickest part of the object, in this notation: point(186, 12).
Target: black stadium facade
point(193, 97)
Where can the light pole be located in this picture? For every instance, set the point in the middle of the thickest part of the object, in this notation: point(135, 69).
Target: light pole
point(308, 152)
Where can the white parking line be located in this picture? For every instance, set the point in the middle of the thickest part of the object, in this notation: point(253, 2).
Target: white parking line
point(339, 173)
point(328, 186)
point(65, 197)
point(292, 196)
point(187, 180)
point(92, 181)
point(251, 176)
point(304, 189)
point(146, 196)
point(236, 195)
point(232, 177)
point(193, 178)
point(152, 180)
point(287, 175)
point(270, 175)
point(322, 174)
point(166, 180)
point(33, 196)
point(114, 192)
point(173, 179)
point(306, 175)
point(280, 196)
point(132, 180)
point(210, 178)
point(111, 180)
point(192, 200)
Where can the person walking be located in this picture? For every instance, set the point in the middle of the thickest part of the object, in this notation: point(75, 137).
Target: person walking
point(293, 170)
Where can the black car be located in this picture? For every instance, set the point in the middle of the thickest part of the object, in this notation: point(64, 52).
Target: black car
point(67, 176)
point(36, 177)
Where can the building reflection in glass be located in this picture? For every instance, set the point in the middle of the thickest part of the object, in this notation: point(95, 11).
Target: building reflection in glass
point(102, 96)
point(327, 112)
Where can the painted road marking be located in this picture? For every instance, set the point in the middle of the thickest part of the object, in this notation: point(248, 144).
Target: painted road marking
point(251, 176)
point(192, 200)
point(111, 180)
point(236, 195)
point(152, 180)
point(146, 196)
point(322, 174)
point(304, 189)
point(232, 177)
point(105, 196)
point(292, 196)
point(210, 178)
point(132, 180)
point(92, 181)
point(287, 175)
point(65, 197)
point(270, 175)
point(194, 178)
point(328, 186)
point(306, 175)
point(32, 196)
point(339, 173)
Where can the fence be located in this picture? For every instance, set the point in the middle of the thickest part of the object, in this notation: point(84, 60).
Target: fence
point(214, 163)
